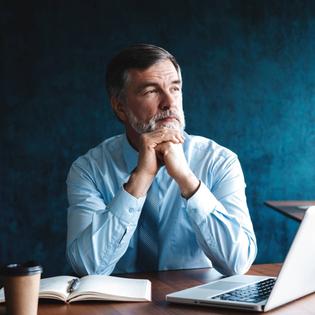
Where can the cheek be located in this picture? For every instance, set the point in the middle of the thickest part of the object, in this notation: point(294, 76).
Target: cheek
point(179, 101)
point(144, 113)
point(144, 108)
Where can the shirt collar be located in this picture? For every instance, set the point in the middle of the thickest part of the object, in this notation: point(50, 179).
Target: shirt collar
point(130, 154)
point(187, 140)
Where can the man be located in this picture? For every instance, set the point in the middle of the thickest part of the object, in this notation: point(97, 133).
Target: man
point(156, 198)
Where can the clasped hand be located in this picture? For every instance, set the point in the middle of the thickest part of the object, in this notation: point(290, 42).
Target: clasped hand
point(162, 147)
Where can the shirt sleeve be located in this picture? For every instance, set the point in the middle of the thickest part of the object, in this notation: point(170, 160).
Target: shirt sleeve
point(98, 233)
point(221, 220)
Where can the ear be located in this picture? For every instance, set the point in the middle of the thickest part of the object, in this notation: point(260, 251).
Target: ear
point(119, 109)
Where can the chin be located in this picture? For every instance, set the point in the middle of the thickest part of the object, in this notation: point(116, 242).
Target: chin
point(171, 125)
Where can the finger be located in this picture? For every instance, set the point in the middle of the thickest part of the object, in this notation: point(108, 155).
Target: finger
point(162, 135)
point(167, 134)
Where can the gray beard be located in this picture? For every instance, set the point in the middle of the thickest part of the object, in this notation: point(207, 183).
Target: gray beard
point(141, 127)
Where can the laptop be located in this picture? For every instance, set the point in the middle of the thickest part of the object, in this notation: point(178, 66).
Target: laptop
point(263, 293)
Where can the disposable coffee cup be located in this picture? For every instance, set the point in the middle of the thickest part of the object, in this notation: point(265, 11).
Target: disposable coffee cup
point(21, 288)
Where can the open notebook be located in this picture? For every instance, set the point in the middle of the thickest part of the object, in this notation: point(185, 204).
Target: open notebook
point(94, 287)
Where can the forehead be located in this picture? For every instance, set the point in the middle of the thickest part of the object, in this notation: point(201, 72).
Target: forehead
point(161, 72)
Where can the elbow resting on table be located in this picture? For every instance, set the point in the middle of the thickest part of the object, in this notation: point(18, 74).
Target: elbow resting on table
point(84, 265)
point(239, 261)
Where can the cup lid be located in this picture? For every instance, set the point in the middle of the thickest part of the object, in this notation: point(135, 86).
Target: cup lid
point(28, 268)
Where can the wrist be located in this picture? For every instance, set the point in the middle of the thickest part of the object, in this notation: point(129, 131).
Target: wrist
point(138, 183)
point(188, 184)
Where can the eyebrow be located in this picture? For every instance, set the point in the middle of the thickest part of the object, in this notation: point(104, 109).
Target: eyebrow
point(149, 84)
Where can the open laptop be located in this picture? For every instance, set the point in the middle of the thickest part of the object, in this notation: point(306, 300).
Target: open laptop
point(263, 293)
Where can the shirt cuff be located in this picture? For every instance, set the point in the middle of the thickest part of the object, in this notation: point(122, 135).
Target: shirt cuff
point(201, 204)
point(126, 207)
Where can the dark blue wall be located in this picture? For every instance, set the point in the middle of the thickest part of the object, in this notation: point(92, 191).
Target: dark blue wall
point(249, 84)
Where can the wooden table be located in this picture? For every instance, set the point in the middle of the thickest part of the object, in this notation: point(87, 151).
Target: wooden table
point(166, 282)
point(294, 209)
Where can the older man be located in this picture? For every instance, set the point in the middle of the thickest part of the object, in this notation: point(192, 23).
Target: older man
point(156, 198)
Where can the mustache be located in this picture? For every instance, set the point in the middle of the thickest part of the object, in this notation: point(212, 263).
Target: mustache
point(163, 115)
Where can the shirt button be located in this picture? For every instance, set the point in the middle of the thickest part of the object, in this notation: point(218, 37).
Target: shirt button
point(131, 210)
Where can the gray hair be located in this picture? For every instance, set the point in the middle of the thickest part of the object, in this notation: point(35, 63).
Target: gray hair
point(140, 56)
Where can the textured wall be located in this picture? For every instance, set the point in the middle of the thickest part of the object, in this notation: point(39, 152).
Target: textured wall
point(249, 83)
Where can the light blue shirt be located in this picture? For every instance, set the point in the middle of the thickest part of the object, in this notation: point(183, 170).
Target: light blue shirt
point(212, 228)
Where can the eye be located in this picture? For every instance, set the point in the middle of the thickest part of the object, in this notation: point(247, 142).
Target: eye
point(176, 89)
point(151, 91)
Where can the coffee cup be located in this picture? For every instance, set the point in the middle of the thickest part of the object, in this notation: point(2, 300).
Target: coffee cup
point(21, 288)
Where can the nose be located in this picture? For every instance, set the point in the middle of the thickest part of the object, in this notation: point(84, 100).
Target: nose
point(167, 101)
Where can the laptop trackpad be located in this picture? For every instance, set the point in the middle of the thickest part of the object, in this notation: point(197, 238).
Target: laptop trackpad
point(223, 285)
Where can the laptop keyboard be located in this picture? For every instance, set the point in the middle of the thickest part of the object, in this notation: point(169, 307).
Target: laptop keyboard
point(252, 293)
